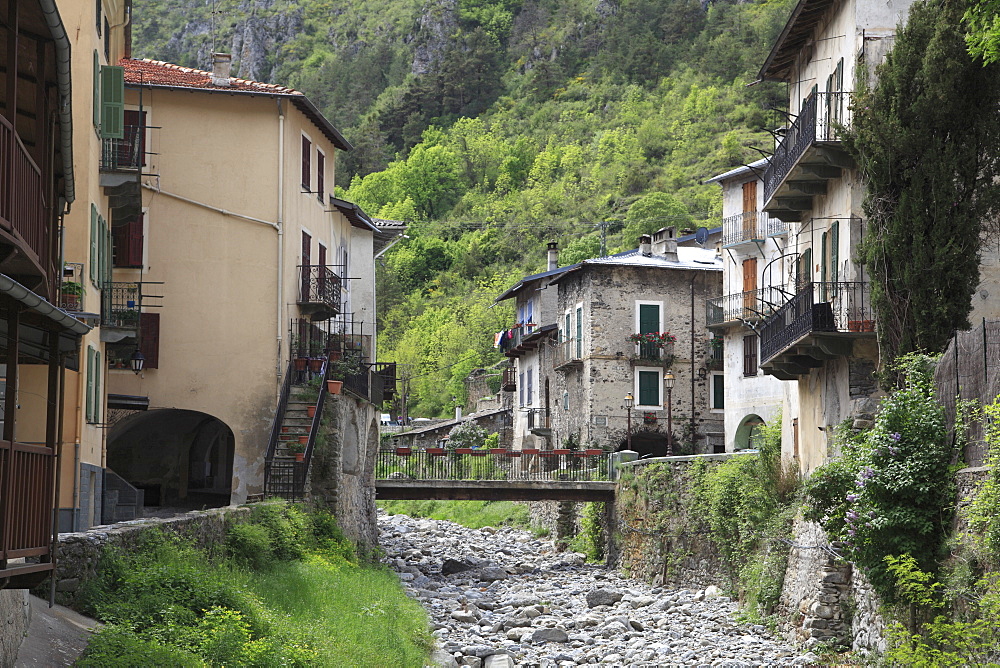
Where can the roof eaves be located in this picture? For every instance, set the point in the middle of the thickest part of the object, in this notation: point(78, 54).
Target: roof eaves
point(803, 19)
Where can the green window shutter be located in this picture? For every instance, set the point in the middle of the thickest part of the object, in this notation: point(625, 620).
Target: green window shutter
point(98, 373)
point(649, 318)
point(579, 332)
point(112, 102)
point(823, 268)
point(94, 241)
point(805, 267)
point(835, 251)
point(106, 253)
point(719, 392)
point(569, 327)
point(90, 384)
point(649, 388)
point(97, 90)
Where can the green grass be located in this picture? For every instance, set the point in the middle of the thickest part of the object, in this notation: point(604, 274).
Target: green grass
point(472, 514)
point(303, 600)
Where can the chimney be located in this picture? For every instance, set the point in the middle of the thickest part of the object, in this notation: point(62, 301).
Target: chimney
point(553, 253)
point(644, 245)
point(221, 62)
point(458, 412)
point(665, 243)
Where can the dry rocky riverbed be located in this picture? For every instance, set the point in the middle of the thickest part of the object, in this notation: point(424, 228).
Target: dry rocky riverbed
point(502, 598)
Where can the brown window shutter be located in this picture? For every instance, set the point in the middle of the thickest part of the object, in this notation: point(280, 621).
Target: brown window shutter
point(750, 345)
point(306, 171)
point(320, 174)
point(149, 326)
point(128, 244)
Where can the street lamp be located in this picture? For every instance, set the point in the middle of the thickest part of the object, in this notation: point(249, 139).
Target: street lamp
point(138, 361)
point(668, 384)
point(629, 402)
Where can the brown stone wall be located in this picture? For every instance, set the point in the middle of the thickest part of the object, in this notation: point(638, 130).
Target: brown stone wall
point(15, 610)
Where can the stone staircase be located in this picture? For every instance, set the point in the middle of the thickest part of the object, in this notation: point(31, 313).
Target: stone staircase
point(287, 477)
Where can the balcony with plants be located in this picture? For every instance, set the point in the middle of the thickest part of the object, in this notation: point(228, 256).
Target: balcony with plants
point(121, 306)
point(820, 323)
point(809, 155)
point(523, 337)
point(653, 349)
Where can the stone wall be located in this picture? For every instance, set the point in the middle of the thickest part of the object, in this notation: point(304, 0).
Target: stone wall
point(342, 470)
point(15, 610)
point(79, 554)
point(561, 518)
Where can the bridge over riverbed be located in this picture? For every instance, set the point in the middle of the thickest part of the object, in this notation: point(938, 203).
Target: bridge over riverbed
point(492, 475)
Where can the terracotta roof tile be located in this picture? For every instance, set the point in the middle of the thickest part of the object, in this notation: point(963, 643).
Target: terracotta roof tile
point(159, 73)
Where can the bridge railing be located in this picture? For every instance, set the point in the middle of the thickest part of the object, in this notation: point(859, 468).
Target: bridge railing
point(497, 464)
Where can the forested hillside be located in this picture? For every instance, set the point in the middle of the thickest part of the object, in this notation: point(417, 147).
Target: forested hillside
point(495, 126)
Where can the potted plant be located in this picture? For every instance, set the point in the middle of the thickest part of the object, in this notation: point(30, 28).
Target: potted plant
point(311, 411)
point(348, 365)
point(334, 386)
point(298, 450)
point(72, 296)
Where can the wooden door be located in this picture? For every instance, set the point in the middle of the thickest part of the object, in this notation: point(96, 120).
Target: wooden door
point(749, 287)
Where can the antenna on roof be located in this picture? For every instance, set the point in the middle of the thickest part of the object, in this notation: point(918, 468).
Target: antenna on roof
point(701, 236)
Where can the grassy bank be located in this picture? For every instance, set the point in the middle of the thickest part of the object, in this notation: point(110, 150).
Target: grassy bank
point(286, 589)
point(472, 514)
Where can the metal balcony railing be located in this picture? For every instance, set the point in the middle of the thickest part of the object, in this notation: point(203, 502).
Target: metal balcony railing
point(750, 306)
point(749, 226)
point(121, 305)
point(538, 419)
point(387, 372)
point(127, 153)
point(498, 464)
point(819, 307)
point(320, 285)
point(566, 352)
point(818, 120)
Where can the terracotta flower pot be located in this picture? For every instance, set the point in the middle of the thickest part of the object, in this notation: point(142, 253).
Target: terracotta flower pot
point(404, 452)
point(334, 386)
point(300, 456)
point(311, 411)
point(435, 451)
point(561, 451)
point(530, 451)
point(594, 452)
point(301, 363)
point(463, 451)
point(315, 364)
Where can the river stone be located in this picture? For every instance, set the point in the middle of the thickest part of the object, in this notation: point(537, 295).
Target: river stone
point(499, 661)
point(596, 597)
point(492, 574)
point(452, 566)
point(549, 635)
point(441, 659)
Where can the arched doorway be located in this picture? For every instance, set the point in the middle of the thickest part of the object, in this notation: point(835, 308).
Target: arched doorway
point(646, 443)
point(748, 433)
point(180, 458)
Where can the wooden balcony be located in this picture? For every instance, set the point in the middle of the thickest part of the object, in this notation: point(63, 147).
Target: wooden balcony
point(818, 324)
point(509, 381)
point(808, 157)
point(24, 216)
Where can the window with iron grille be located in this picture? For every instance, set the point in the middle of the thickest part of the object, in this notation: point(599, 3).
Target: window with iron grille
point(751, 344)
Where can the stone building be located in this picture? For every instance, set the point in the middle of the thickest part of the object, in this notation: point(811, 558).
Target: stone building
point(656, 288)
point(821, 336)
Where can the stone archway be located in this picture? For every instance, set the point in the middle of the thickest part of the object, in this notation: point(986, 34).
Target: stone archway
point(179, 458)
point(646, 442)
point(748, 432)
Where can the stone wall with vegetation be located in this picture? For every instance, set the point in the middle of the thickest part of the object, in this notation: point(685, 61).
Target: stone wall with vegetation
point(342, 471)
point(79, 554)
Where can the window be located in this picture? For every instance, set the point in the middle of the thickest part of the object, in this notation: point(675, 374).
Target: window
point(718, 392)
point(649, 318)
point(100, 249)
point(750, 347)
point(529, 393)
point(149, 339)
point(93, 385)
point(568, 328)
point(112, 102)
point(320, 174)
point(648, 388)
point(127, 244)
point(97, 90)
point(306, 164)
point(565, 401)
point(579, 332)
point(520, 389)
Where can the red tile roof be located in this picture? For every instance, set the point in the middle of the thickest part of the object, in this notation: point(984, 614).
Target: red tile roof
point(147, 72)
point(158, 73)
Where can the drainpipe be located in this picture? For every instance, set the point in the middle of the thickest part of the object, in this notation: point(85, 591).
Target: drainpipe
point(74, 524)
point(693, 374)
point(281, 238)
point(64, 85)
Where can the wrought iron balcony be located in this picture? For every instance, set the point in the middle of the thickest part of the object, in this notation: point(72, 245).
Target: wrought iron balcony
point(744, 307)
point(127, 153)
point(538, 422)
point(749, 227)
point(121, 304)
point(808, 156)
point(817, 324)
point(567, 353)
point(319, 291)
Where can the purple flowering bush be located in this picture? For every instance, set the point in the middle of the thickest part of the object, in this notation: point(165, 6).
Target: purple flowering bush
point(889, 492)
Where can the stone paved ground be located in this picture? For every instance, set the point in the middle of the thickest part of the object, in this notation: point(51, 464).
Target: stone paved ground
point(502, 598)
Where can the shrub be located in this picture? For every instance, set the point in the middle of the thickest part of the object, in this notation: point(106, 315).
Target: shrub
point(249, 545)
point(467, 435)
point(891, 491)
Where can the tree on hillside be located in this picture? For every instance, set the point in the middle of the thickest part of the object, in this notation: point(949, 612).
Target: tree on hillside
point(983, 21)
point(652, 212)
point(925, 137)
